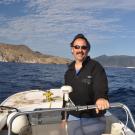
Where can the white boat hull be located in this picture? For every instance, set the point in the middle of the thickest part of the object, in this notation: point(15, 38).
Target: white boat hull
point(3, 119)
point(29, 101)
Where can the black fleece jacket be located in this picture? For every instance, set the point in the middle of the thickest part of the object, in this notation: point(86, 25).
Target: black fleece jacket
point(88, 85)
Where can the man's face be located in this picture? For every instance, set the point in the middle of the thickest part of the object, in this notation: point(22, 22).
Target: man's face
point(80, 49)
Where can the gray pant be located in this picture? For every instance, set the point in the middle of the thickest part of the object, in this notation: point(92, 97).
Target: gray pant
point(86, 126)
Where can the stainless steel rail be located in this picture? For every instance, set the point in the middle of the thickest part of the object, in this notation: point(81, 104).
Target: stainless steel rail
point(74, 108)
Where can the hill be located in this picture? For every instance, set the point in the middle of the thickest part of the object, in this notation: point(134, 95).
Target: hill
point(116, 60)
point(23, 54)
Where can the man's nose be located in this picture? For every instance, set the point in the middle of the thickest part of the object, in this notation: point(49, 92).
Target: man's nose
point(80, 49)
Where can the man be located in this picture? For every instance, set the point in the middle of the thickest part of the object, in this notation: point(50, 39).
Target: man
point(88, 80)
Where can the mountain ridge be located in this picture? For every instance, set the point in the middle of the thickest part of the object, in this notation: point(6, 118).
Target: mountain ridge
point(23, 54)
point(116, 60)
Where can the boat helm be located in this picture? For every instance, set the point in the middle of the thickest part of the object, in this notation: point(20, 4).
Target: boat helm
point(18, 123)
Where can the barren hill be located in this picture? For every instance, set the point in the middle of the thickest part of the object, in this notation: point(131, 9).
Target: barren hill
point(117, 60)
point(23, 54)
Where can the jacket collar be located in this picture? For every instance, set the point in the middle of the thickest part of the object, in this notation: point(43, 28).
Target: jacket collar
point(72, 65)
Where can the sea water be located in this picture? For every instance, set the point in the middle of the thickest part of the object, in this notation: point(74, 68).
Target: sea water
point(15, 77)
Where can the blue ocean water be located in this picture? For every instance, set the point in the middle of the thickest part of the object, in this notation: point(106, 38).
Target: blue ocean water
point(16, 77)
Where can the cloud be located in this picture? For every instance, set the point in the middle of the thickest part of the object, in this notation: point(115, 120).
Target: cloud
point(56, 22)
point(6, 1)
point(67, 16)
point(87, 4)
point(9, 1)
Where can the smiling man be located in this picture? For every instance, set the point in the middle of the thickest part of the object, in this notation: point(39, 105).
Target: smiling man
point(89, 82)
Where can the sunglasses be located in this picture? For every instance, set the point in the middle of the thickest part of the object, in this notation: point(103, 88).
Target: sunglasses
point(78, 47)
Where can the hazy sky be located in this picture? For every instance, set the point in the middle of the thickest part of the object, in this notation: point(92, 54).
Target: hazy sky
point(49, 26)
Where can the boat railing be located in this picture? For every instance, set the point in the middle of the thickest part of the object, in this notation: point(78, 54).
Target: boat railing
point(72, 108)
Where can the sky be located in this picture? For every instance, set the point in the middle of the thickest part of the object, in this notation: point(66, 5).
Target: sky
point(48, 26)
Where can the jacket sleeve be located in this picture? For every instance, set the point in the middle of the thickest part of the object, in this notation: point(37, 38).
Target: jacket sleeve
point(100, 83)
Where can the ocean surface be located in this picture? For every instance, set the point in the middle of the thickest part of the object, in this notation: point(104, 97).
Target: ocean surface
point(16, 77)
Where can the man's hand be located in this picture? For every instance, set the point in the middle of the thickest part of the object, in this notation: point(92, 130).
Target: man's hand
point(101, 104)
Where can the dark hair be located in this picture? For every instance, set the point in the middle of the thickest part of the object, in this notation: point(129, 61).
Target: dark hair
point(82, 37)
